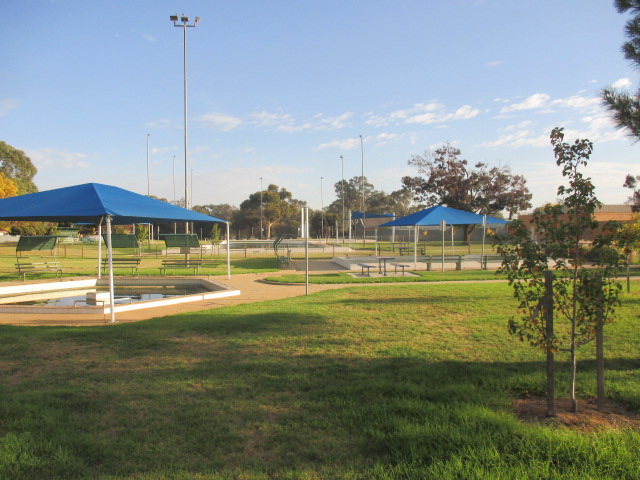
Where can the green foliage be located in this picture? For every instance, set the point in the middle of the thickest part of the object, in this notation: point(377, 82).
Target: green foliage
point(142, 232)
point(581, 293)
point(449, 180)
point(18, 167)
point(215, 234)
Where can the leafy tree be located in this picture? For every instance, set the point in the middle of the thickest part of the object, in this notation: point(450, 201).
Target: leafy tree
point(628, 240)
point(351, 191)
point(278, 205)
point(585, 297)
point(449, 180)
point(624, 107)
point(223, 211)
point(17, 166)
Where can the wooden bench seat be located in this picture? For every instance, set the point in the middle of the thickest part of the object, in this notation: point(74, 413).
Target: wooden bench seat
point(38, 267)
point(125, 262)
point(195, 264)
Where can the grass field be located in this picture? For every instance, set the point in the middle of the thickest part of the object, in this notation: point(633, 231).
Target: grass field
point(395, 382)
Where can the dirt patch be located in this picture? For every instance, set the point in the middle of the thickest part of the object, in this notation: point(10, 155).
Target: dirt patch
point(586, 419)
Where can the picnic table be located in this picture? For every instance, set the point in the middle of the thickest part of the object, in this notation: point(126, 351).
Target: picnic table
point(382, 264)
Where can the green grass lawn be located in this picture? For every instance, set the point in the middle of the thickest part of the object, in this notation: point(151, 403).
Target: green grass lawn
point(87, 266)
point(396, 382)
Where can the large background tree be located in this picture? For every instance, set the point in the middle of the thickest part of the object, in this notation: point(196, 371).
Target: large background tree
point(15, 165)
point(446, 179)
point(278, 205)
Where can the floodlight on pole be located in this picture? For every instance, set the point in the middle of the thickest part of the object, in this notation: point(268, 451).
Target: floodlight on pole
point(260, 208)
point(321, 211)
point(148, 184)
point(173, 166)
point(342, 195)
point(184, 25)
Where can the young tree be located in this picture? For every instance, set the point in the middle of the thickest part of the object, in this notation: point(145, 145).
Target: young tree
point(448, 180)
point(585, 297)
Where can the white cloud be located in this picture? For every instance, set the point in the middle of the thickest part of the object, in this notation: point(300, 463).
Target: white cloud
point(284, 122)
point(149, 38)
point(54, 159)
point(220, 121)
point(622, 83)
point(348, 144)
point(7, 104)
point(162, 124)
point(495, 63)
point(535, 101)
point(433, 112)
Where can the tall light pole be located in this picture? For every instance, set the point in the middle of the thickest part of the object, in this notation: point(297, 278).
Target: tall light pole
point(260, 208)
point(321, 211)
point(184, 25)
point(148, 187)
point(364, 229)
point(173, 166)
point(342, 194)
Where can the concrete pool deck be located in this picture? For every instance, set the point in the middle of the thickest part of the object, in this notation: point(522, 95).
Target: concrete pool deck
point(250, 285)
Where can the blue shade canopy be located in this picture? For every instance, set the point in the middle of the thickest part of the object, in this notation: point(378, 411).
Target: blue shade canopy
point(434, 215)
point(90, 202)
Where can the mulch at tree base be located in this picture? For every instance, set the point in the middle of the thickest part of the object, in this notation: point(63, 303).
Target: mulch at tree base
point(586, 419)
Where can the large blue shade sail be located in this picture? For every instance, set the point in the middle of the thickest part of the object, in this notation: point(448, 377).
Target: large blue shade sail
point(90, 202)
point(435, 215)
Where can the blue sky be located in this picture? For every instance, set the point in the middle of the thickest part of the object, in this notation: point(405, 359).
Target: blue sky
point(281, 89)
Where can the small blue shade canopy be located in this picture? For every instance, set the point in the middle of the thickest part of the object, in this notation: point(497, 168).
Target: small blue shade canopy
point(90, 202)
point(435, 215)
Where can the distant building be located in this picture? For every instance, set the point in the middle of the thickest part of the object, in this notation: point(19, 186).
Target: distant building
point(603, 214)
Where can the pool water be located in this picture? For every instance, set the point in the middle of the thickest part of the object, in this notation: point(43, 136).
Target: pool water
point(125, 294)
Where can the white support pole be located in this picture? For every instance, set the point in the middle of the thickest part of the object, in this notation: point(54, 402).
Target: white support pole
point(228, 253)
point(112, 305)
point(100, 248)
point(415, 248)
point(484, 234)
point(443, 227)
point(306, 248)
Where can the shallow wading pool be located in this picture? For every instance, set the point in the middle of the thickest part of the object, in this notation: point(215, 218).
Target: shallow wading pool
point(79, 296)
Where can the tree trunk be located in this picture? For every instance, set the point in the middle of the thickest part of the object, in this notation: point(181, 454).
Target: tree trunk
point(600, 348)
point(548, 317)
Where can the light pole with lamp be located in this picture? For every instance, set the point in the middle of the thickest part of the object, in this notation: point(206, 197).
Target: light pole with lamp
point(260, 208)
point(173, 166)
point(148, 187)
point(184, 25)
point(321, 211)
point(342, 195)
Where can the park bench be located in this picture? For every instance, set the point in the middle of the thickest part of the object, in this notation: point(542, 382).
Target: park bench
point(396, 266)
point(38, 267)
point(368, 267)
point(195, 264)
point(431, 259)
point(125, 262)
